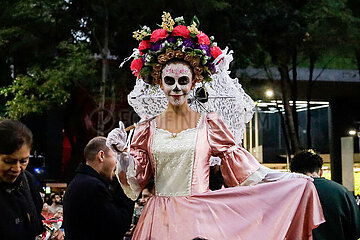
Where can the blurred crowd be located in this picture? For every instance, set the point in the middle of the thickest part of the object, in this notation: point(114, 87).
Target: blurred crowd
point(52, 213)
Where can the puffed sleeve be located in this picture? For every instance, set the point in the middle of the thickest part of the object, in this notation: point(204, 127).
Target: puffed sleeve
point(237, 164)
point(139, 170)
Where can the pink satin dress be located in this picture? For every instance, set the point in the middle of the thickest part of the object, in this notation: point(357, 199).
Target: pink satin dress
point(183, 207)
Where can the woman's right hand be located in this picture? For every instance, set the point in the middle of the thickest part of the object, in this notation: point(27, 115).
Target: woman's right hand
point(116, 139)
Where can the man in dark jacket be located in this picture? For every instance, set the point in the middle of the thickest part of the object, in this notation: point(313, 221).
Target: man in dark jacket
point(20, 201)
point(341, 212)
point(93, 208)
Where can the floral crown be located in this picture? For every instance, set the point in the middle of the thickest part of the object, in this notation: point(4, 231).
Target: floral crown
point(169, 42)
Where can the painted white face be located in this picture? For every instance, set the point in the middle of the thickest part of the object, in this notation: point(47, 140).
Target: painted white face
point(176, 81)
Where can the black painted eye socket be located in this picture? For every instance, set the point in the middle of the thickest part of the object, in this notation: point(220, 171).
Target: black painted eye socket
point(169, 80)
point(183, 80)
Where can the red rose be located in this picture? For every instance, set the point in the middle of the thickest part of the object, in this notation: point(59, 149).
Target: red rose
point(203, 38)
point(158, 34)
point(181, 31)
point(215, 52)
point(136, 66)
point(144, 44)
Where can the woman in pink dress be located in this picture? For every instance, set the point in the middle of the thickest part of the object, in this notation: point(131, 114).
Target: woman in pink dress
point(174, 149)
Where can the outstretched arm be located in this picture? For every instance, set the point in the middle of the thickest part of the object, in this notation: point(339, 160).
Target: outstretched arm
point(238, 166)
point(133, 164)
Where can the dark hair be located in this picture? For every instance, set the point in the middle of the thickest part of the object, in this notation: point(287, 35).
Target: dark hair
point(150, 185)
point(53, 196)
point(14, 135)
point(306, 161)
point(93, 147)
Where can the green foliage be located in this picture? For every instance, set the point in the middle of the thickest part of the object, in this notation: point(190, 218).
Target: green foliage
point(331, 62)
point(30, 31)
point(43, 89)
point(259, 32)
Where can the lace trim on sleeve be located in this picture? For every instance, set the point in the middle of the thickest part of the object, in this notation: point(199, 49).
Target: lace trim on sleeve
point(256, 177)
point(131, 178)
point(133, 189)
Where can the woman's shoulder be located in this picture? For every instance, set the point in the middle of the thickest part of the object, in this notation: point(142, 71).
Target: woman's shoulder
point(145, 122)
point(142, 128)
point(213, 118)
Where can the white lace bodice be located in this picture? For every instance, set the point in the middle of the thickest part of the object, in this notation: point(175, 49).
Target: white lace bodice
point(173, 157)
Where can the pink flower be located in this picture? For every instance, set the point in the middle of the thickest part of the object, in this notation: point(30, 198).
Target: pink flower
point(203, 38)
point(215, 51)
point(136, 66)
point(158, 34)
point(144, 44)
point(181, 31)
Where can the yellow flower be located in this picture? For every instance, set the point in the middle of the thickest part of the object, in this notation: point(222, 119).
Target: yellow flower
point(142, 33)
point(167, 22)
point(137, 35)
point(193, 29)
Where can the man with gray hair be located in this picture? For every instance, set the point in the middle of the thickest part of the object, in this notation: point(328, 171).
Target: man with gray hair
point(93, 208)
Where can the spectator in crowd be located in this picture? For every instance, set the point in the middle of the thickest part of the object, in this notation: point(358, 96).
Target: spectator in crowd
point(146, 193)
point(52, 224)
point(93, 209)
point(47, 199)
point(339, 206)
point(20, 200)
point(45, 211)
point(59, 213)
point(56, 203)
point(216, 181)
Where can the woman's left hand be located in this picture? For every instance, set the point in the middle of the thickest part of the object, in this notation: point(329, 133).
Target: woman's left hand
point(276, 176)
point(58, 235)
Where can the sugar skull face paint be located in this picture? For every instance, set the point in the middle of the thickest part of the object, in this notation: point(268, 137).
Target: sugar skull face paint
point(176, 79)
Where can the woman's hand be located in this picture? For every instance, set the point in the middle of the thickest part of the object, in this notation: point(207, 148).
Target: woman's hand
point(276, 176)
point(58, 235)
point(116, 139)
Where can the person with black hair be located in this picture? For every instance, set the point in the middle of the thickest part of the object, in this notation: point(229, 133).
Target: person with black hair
point(20, 200)
point(56, 203)
point(339, 205)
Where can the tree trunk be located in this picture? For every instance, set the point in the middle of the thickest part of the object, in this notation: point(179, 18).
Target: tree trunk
point(294, 92)
point(357, 56)
point(286, 133)
point(308, 99)
point(289, 121)
point(105, 54)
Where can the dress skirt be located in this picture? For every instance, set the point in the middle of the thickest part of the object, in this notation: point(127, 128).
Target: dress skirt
point(287, 209)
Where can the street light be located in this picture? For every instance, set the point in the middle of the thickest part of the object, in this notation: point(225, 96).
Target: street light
point(352, 132)
point(269, 93)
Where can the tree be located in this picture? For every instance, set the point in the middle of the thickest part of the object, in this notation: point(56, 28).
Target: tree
point(279, 32)
point(354, 35)
point(327, 28)
point(30, 32)
point(41, 90)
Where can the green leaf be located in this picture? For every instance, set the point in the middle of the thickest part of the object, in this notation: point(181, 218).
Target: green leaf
point(196, 21)
point(192, 35)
